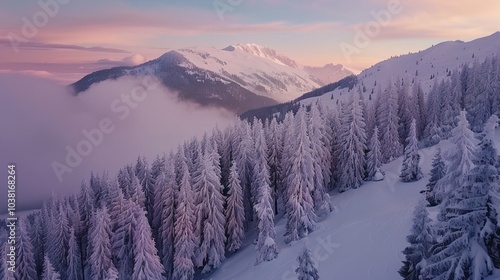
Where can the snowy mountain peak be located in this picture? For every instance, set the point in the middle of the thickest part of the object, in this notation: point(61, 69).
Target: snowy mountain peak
point(264, 52)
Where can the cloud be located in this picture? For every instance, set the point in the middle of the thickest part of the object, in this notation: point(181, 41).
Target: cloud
point(438, 20)
point(5, 42)
point(43, 123)
point(135, 59)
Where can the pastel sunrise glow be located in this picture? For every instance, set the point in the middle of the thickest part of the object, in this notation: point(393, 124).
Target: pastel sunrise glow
point(83, 36)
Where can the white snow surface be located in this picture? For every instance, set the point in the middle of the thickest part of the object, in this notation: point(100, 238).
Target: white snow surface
point(263, 75)
point(363, 238)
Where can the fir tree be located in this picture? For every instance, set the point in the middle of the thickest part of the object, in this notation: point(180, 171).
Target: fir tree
point(391, 144)
point(85, 199)
point(353, 138)
point(75, 268)
point(209, 214)
point(260, 166)
point(235, 214)
point(243, 157)
point(184, 236)
point(438, 171)
point(25, 262)
point(321, 162)
point(460, 157)
point(59, 237)
point(165, 241)
point(275, 150)
point(374, 158)
point(100, 262)
point(299, 204)
point(307, 268)
point(411, 163)
point(146, 180)
point(37, 232)
point(266, 244)
point(5, 273)
point(432, 132)
point(469, 216)
point(122, 240)
point(49, 273)
point(420, 239)
point(146, 261)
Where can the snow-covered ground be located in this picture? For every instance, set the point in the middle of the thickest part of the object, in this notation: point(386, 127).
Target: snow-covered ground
point(437, 61)
point(361, 239)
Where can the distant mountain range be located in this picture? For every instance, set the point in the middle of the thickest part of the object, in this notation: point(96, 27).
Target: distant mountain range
point(238, 78)
point(425, 67)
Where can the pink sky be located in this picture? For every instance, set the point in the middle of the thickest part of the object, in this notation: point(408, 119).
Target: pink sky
point(80, 37)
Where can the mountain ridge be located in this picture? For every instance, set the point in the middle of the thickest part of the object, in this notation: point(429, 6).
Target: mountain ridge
point(425, 67)
point(242, 77)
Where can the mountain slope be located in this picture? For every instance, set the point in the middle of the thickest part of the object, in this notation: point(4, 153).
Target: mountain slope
point(238, 78)
point(363, 238)
point(425, 67)
point(192, 83)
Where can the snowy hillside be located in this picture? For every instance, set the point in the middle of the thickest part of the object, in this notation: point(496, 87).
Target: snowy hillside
point(238, 78)
point(261, 76)
point(362, 239)
point(424, 67)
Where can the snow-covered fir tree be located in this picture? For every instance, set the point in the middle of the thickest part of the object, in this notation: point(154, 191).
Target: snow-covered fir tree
point(166, 202)
point(353, 139)
point(419, 109)
point(374, 158)
point(421, 239)
point(260, 174)
point(411, 162)
point(301, 217)
point(85, 201)
point(438, 171)
point(266, 241)
point(146, 261)
point(5, 273)
point(184, 242)
point(275, 150)
point(25, 261)
point(432, 132)
point(49, 273)
point(447, 114)
point(121, 240)
point(101, 262)
point(389, 120)
point(37, 232)
point(460, 157)
point(405, 112)
point(321, 161)
point(243, 157)
point(480, 109)
point(469, 216)
point(209, 214)
point(235, 214)
point(288, 139)
point(146, 180)
point(58, 235)
point(307, 269)
point(75, 268)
